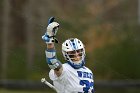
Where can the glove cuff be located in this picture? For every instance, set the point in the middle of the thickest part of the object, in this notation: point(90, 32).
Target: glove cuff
point(49, 39)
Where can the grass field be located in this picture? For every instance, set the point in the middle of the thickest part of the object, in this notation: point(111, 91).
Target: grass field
point(104, 90)
point(25, 91)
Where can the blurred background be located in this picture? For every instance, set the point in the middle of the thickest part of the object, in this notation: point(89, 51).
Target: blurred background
point(110, 30)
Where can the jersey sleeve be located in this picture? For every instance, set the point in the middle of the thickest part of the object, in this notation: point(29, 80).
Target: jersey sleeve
point(60, 82)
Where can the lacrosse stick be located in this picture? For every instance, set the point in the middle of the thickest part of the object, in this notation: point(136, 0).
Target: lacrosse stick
point(43, 80)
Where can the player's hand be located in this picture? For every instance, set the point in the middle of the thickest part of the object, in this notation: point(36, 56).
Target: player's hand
point(51, 31)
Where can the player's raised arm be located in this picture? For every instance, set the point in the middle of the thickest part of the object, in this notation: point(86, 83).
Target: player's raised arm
point(50, 52)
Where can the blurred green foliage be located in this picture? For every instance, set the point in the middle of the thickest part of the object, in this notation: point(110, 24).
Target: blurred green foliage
point(121, 59)
point(109, 30)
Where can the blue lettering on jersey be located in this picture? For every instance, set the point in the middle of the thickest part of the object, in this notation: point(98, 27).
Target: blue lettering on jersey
point(79, 73)
point(85, 74)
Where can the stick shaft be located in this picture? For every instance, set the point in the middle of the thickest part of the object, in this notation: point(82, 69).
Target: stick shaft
point(43, 80)
point(50, 85)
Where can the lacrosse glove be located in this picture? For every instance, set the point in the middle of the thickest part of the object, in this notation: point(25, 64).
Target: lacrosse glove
point(50, 34)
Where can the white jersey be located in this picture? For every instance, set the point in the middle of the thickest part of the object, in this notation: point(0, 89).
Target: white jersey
point(73, 80)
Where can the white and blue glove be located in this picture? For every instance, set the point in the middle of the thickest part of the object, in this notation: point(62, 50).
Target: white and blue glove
point(51, 31)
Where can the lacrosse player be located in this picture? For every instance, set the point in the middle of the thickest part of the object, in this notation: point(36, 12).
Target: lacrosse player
point(72, 76)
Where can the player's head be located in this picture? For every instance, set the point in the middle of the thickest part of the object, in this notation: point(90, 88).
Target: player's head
point(74, 52)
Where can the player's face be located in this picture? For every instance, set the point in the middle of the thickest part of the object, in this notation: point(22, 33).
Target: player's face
point(75, 55)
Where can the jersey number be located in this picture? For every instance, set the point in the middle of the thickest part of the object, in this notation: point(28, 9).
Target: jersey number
point(87, 84)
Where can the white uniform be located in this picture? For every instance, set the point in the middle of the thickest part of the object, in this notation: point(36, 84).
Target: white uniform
point(75, 77)
point(73, 80)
